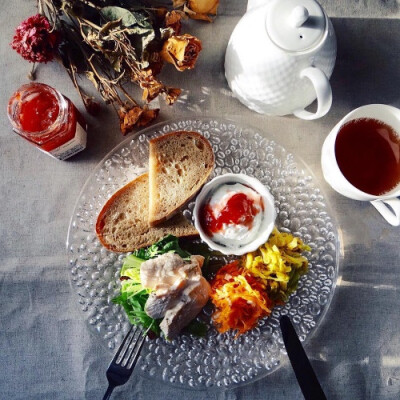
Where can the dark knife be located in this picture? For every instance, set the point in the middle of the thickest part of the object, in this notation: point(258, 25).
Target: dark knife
point(303, 370)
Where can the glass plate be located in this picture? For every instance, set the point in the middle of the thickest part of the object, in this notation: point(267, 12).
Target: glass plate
point(215, 361)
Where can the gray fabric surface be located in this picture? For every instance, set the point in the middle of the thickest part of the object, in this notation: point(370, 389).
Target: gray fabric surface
point(362, 8)
point(46, 349)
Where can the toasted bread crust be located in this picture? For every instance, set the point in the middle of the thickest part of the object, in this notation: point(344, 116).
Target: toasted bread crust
point(179, 165)
point(122, 224)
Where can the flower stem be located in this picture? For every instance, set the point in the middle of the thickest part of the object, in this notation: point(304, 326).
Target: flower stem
point(127, 94)
point(32, 73)
point(40, 7)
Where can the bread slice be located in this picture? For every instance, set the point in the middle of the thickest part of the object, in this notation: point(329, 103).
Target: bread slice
point(122, 224)
point(180, 163)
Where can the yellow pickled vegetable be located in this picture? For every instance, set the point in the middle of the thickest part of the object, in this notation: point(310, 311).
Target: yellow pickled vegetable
point(278, 263)
point(243, 292)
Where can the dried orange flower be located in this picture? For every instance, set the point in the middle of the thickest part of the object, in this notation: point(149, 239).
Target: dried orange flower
point(172, 95)
point(203, 6)
point(198, 9)
point(173, 20)
point(181, 51)
point(151, 90)
point(114, 45)
point(135, 116)
point(147, 116)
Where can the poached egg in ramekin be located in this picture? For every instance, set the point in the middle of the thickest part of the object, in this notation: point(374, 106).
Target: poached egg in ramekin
point(234, 214)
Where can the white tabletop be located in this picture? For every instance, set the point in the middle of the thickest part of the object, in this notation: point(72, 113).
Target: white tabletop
point(47, 351)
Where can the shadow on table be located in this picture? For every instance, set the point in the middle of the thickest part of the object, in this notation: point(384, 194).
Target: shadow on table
point(366, 69)
point(355, 351)
point(366, 72)
point(367, 66)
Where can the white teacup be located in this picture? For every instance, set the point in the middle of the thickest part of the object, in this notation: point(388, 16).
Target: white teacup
point(387, 204)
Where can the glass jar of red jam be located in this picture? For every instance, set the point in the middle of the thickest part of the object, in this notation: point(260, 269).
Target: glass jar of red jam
point(46, 118)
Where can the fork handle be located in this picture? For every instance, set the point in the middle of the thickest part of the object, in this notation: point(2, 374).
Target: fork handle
point(109, 391)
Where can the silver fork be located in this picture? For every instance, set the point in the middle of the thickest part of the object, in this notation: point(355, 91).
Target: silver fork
point(125, 359)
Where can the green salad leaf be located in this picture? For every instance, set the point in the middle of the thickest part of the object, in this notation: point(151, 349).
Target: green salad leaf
point(131, 267)
point(133, 295)
point(197, 328)
point(169, 244)
point(133, 302)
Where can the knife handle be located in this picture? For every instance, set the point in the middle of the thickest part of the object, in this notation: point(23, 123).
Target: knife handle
point(303, 370)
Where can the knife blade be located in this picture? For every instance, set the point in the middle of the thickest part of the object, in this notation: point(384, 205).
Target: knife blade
point(303, 370)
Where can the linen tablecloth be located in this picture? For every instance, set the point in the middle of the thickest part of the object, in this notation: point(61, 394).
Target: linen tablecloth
point(46, 349)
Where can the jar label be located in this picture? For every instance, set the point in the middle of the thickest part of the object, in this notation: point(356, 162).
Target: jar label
point(73, 146)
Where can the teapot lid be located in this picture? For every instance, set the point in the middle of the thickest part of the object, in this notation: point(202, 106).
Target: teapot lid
point(296, 25)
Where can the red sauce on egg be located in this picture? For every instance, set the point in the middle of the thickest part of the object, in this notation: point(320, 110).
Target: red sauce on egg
point(239, 210)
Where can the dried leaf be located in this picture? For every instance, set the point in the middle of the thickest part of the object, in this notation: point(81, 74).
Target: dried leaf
point(156, 66)
point(172, 95)
point(92, 38)
point(128, 118)
point(113, 45)
point(127, 18)
point(152, 90)
point(148, 116)
point(166, 33)
point(173, 20)
point(137, 26)
point(142, 41)
point(92, 106)
point(70, 53)
point(110, 25)
point(160, 12)
point(178, 3)
point(114, 60)
point(92, 78)
point(74, 9)
point(135, 116)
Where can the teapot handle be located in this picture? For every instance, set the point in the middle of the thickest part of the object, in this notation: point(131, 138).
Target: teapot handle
point(322, 89)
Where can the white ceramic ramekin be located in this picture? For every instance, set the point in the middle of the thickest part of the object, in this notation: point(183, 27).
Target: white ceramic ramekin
point(267, 223)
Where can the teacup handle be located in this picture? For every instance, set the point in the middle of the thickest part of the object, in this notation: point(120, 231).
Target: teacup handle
point(392, 214)
point(322, 89)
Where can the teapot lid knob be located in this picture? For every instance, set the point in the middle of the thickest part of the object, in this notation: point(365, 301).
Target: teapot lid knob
point(299, 16)
point(296, 25)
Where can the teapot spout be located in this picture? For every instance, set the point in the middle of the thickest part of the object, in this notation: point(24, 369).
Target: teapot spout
point(256, 3)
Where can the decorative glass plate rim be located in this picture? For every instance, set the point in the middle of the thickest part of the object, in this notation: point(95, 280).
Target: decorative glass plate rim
point(303, 166)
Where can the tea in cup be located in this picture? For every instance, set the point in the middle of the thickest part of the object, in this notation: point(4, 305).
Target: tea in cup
point(361, 158)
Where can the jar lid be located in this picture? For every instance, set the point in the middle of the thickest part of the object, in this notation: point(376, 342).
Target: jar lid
point(296, 25)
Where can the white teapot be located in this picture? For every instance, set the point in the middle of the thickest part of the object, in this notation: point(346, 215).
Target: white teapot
point(280, 57)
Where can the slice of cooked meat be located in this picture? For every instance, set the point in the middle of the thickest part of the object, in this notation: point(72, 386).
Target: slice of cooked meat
point(161, 270)
point(193, 298)
point(198, 259)
point(157, 306)
point(180, 291)
point(167, 269)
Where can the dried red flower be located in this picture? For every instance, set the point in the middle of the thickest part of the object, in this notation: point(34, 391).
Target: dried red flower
point(34, 39)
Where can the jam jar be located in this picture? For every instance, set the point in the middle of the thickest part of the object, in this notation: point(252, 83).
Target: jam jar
point(49, 120)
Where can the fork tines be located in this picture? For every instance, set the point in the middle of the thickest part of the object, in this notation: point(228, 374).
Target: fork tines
point(129, 350)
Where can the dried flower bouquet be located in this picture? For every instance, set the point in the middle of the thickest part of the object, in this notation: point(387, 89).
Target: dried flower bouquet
point(114, 43)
